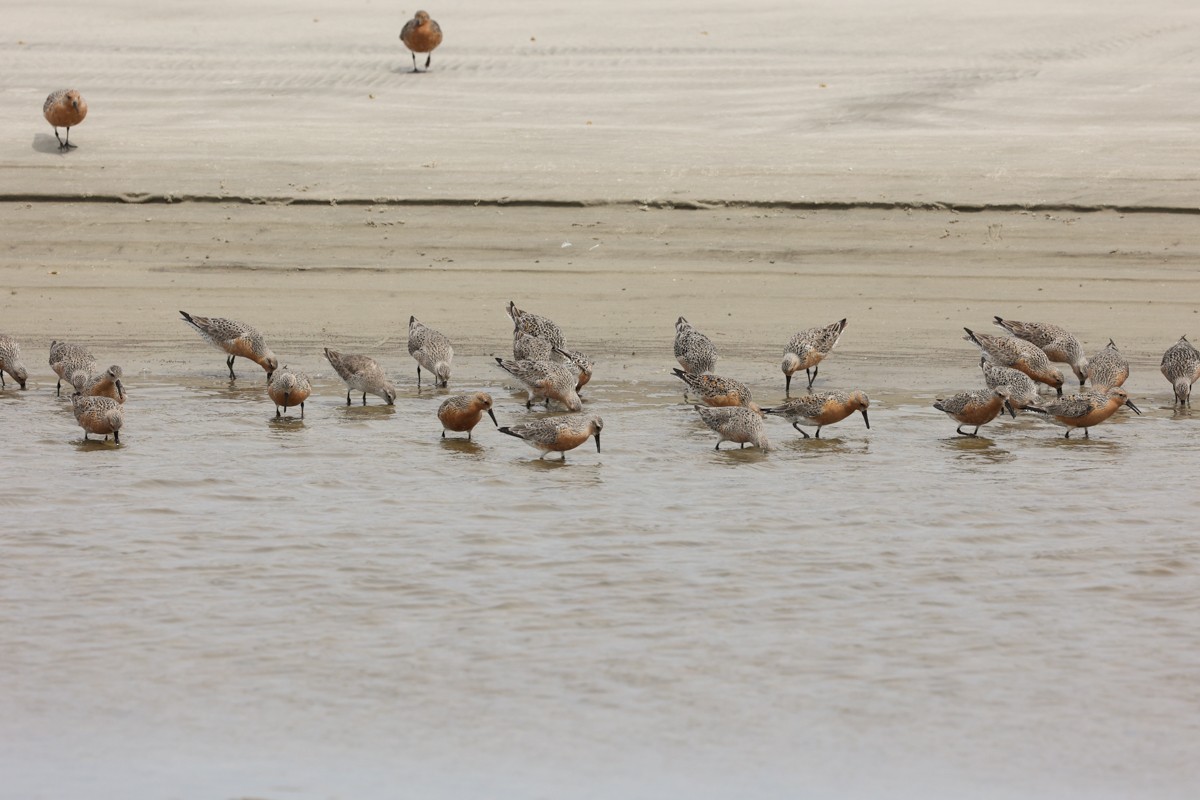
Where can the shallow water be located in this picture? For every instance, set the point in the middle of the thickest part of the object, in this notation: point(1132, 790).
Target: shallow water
point(227, 605)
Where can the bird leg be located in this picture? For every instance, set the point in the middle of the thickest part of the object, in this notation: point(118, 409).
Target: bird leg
point(796, 425)
point(229, 363)
point(347, 397)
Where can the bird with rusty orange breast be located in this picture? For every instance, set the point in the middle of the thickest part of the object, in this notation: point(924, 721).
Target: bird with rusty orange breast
point(421, 35)
point(65, 108)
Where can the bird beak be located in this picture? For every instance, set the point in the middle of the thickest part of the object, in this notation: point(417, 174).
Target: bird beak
point(787, 385)
point(1136, 410)
point(120, 388)
point(1011, 412)
point(865, 420)
point(269, 374)
point(1059, 390)
point(493, 416)
point(597, 441)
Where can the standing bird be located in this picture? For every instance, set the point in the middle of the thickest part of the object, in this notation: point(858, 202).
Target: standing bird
point(421, 35)
point(807, 349)
point(820, 410)
point(10, 361)
point(534, 325)
point(98, 415)
point(1108, 368)
point(1058, 345)
point(741, 424)
point(235, 338)
point(362, 374)
point(693, 350)
point(715, 390)
point(1023, 393)
point(463, 412)
point(100, 384)
point(558, 434)
point(545, 380)
point(1007, 351)
point(1087, 409)
point(1181, 366)
point(289, 388)
point(64, 109)
point(976, 408)
point(432, 351)
point(68, 359)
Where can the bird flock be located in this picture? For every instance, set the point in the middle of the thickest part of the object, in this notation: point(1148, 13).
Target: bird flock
point(553, 375)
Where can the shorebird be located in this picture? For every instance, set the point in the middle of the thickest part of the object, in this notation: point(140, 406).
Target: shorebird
point(976, 408)
point(527, 347)
point(807, 349)
point(545, 380)
point(1058, 345)
point(463, 412)
point(1087, 409)
point(421, 35)
point(1108, 368)
point(823, 409)
point(98, 415)
point(693, 350)
point(236, 339)
point(1023, 393)
point(1181, 366)
point(69, 359)
point(741, 424)
point(558, 434)
point(715, 390)
point(10, 361)
point(361, 374)
point(534, 325)
point(432, 351)
point(580, 362)
point(1008, 351)
point(289, 388)
point(64, 109)
point(100, 384)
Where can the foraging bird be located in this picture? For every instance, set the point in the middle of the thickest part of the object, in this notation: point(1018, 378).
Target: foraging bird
point(976, 408)
point(64, 109)
point(820, 410)
point(1055, 342)
point(1108, 368)
point(545, 380)
point(1087, 409)
point(463, 412)
point(235, 338)
point(98, 415)
point(69, 359)
point(580, 362)
point(362, 374)
point(1009, 351)
point(694, 351)
point(805, 351)
point(534, 325)
point(421, 35)
point(10, 361)
point(101, 384)
point(1181, 366)
point(741, 424)
point(558, 434)
point(432, 351)
point(714, 390)
point(289, 388)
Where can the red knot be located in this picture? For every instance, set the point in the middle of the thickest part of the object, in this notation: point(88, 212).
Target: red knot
point(819, 410)
point(580, 362)
point(1087, 409)
point(531, 348)
point(67, 360)
point(288, 389)
point(1108, 368)
point(10, 361)
point(807, 349)
point(1058, 345)
point(101, 384)
point(99, 415)
point(421, 35)
point(432, 351)
point(693, 350)
point(976, 408)
point(740, 424)
point(1181, 366)
point(558, 434)
point(1009, 351)
point(1022, 390)
point(64, 109)
point(463, 412)
point(714, 390)
point(534, 325)
point(546, 381)
point(236, 339)
point(361, 374)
